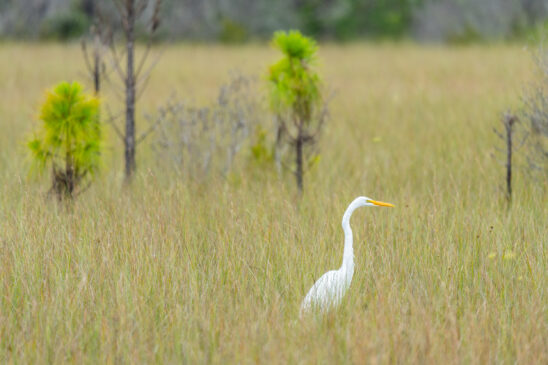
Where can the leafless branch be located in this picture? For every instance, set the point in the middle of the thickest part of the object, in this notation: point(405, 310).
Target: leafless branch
point(151, 128)
point(112, 121)
point(116, 61)
point(147, 71)
point(86, 55)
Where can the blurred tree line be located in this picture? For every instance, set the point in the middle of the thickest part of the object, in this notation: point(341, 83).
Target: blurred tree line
point(234, 21)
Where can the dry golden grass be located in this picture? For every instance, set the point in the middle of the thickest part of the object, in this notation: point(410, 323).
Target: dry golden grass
point(176, 272)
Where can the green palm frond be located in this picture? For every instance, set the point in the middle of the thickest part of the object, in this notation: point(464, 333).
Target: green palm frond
point(294, 84)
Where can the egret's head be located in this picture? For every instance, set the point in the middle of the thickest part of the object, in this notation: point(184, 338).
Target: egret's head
point(362, 201)
point(368, 202)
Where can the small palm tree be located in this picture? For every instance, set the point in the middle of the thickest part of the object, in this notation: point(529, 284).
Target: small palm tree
point(295, 96)
point(69, 140)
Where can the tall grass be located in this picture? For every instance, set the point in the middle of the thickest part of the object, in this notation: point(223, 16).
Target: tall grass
point(171, 271)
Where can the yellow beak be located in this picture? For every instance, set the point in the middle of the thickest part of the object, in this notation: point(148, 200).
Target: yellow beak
point(381, 204)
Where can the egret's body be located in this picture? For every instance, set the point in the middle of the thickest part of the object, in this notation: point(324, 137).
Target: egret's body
point(328, 291)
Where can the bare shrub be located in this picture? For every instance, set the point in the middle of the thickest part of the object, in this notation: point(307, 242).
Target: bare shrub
point(536, 113)
point(199, 141)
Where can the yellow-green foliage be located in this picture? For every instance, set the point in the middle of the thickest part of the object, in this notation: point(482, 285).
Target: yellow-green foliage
point(70, 136)
point(261, 153)
point(167, 272)
point(294, 85)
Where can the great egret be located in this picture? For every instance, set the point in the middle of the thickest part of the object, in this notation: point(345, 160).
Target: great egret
point(329, 289)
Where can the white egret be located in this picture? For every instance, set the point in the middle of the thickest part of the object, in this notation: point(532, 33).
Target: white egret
point(329, 289)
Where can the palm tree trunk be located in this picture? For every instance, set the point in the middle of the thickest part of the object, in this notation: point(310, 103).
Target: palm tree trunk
point(299, 163)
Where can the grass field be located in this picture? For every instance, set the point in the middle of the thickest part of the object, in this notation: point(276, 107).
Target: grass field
point(169, 271)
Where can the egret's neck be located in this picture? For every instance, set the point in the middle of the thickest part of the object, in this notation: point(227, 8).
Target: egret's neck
point(348, 255)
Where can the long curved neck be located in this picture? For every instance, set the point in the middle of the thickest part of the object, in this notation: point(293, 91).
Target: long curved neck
point(348, 255)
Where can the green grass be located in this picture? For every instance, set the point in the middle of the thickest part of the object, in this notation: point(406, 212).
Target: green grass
point(170, 271)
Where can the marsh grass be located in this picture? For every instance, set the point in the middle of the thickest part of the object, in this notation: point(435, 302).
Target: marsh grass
point(171, 271)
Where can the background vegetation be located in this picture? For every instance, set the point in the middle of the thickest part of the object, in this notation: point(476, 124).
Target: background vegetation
point(168, 270)
point(235, 21)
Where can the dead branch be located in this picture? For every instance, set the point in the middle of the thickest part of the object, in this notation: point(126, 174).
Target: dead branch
point(151, 128)
point(111, 120)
